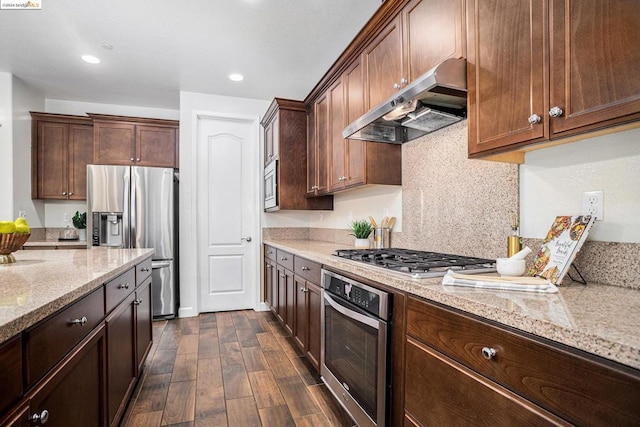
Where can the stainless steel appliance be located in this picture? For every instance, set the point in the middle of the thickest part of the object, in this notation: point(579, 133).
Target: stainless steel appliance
point(418, 264)
point(133, 207)
point(355, 345)
point(436, 99)
point(271, 186)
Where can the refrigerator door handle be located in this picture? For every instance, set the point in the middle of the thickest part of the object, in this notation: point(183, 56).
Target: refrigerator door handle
point(160, 264)
point(132, 212)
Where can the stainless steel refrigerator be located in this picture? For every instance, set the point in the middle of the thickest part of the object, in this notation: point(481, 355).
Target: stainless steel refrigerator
point(134, 207)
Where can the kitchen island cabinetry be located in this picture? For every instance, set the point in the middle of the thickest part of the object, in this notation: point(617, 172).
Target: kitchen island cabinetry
point(285, 136)
point(592, 65)
point(11, 373)
point(507, 377)
point(136, 141)
point(62, 146)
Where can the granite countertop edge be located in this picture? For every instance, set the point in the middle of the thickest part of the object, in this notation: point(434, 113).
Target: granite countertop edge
point(11, 328)
point(610, 344)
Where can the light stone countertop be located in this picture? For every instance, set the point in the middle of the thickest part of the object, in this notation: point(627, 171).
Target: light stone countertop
point(41, 282)
point(76, 244)
point(599, 319)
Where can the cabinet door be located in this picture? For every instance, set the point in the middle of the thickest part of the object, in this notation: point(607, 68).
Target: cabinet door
point(337, 153)
point(80, 155)
point(156, 146)
point(268, 283)
point(52, 160)
point(314, 319)
point(121, 361)
point(18, 417)
point(144, 334)
point(290, 308)
point(595, 62)
point(312, 151)
point(506, 53)
point(355, 159)
point(439, 391)
point(11, 373)
point(300, 326)
point(433, 32)
point(321, 144)
point(383, 64)
point(114, 143)
point(268, 143)
point(281, 312)
point(73, 395)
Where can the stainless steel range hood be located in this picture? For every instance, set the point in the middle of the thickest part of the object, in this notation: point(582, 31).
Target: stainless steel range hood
point(434, 100)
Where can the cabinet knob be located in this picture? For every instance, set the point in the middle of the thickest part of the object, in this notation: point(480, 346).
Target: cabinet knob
point(269, 266)
point(132, 159)
point(403, 82)
point(138, 159)
point(144, 269)
point(314, 187)
point(534, 119)
point(64, 193)
point(282, 276)
point(284, 258)
point(82, 321)
point(123, 286)
point(305, 268)
point(488, 353)
point(555, 111)
point(396, 86)
point(137, 301)
point(42, 417)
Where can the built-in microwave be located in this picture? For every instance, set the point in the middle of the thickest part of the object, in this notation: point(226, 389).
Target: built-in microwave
point(271, 186)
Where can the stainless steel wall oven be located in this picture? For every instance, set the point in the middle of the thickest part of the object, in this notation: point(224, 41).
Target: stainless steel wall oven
point(355, 347)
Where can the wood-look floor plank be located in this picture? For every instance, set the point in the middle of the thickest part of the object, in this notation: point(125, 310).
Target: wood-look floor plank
point(276, 416)
point(306, 371)
point(236, 382)
point(268, 342)
point(247, 338)
point(230, 354)
point(146, 419)
point(169, 339)
point(265, 389)
point(330, 408)
point(209, 373)
point(210, 405)
point(185, 368)
point(313, 420)
point(289, 346)
point(224, 318)
point(297, 396)
point(256, 327)
point(188, 344)
point(153, 394)
point(254, 359)
point(190, 326)
point(208, 345)
point(279, 364)
point(181, 402)
point(243, 412)
point(227, 334)
point(240, 321)
point(163, 361)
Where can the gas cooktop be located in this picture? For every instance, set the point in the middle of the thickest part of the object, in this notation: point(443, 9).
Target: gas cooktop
point(418, 264)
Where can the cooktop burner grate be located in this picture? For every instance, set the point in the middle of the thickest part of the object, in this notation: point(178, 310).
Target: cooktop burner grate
point(418, 264)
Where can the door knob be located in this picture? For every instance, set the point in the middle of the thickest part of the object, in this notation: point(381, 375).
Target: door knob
point(248, 239)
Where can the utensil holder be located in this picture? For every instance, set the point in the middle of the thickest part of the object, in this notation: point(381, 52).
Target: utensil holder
point(381, 238)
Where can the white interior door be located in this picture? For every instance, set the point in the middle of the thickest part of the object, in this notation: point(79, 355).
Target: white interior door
point(228, 213)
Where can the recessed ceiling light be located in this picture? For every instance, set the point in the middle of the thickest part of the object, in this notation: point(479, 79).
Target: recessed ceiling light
point(236, 77)
point(90, 59)
point(107, 46)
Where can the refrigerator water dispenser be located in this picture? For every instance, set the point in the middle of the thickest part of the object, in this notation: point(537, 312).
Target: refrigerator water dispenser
point(107, 229)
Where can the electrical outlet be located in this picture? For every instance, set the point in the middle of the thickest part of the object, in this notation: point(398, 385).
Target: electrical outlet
point(592, 204)
point(66, 217)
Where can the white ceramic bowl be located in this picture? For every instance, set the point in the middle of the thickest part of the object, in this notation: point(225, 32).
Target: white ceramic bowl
point(510, 267)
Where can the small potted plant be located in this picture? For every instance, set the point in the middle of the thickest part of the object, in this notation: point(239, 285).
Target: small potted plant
point(361, 229)
point(80, 222)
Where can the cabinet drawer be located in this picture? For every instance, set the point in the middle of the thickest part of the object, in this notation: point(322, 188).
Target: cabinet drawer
point(143, 270)
point(581, 388)
point(49, 341)
point(270, 253)
point(11, 373)
point(308, 269)
point(118, 288)
point(285, 259)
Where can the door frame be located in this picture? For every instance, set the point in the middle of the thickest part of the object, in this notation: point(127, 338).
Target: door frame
point(256, 234)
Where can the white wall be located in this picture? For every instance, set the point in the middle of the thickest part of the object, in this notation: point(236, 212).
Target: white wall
point(6, 147)
point(192, 104)
point(25, 99)
point(552, 181)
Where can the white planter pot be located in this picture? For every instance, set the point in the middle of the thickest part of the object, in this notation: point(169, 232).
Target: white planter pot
point(362, 243)
point(82, 234)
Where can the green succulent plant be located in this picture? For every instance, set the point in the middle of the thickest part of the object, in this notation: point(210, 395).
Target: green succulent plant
point(361, 229)
point(80, 220)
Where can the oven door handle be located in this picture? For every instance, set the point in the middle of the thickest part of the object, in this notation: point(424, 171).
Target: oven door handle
point(374, 323)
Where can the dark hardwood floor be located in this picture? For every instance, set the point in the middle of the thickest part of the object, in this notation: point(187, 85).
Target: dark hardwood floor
point(229, 369)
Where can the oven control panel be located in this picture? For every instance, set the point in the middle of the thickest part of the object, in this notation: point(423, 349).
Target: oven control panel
point(359, 294)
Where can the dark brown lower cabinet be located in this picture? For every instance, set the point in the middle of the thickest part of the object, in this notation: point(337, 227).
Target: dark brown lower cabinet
point(10, 373)
point(281, 311)
point(440, 391)
point(121, 361)
point(144, 329)
point(314, 319)
point(73, 394)
point(301, 325)
point(290, 287)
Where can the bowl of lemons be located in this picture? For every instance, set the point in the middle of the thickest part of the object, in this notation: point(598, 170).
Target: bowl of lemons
point(13, 234)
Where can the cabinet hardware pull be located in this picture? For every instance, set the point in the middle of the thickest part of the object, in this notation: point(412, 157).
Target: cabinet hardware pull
point(555, 112)
point(396, 86)
point(488, 353)
point(314, 187)
point(80, 322)
point(269, 266)
point(137, 302)
point(70, 193)
point(125, 286)
point(282, 276)
point(42, 417)
point(64, 193)
point(403, 82)
point(132, 159)
point(146, 269)
point(534, 119)
point(284, 258)
point(138, 159)
point(305, 268)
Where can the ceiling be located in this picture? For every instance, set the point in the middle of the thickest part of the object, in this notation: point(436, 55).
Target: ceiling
point(161, 47)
